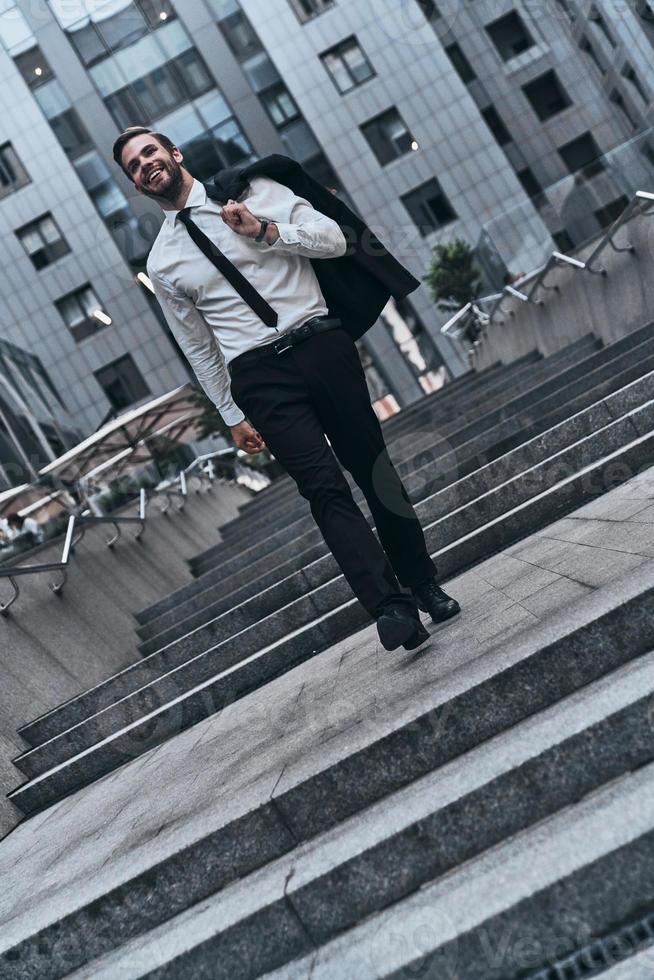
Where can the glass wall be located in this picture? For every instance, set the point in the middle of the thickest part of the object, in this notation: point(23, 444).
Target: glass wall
point(148, 72)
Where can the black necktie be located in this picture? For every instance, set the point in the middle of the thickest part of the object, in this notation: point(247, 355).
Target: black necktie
point(246, 290)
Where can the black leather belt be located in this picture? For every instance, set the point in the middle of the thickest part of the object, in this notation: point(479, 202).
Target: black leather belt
point(315, 325)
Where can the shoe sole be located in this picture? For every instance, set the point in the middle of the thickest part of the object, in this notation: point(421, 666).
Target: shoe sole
point(393, 633)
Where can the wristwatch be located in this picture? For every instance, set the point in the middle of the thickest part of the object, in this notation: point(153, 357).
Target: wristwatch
point(262, 231)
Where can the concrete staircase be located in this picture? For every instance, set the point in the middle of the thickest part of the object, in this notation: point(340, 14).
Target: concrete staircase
point(268, 792)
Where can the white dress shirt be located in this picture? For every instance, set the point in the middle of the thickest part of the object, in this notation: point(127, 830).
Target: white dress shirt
point(208, 318)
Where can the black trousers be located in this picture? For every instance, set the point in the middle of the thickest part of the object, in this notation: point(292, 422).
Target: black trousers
point(293, 400)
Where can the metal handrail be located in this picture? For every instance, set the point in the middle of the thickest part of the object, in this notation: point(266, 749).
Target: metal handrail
point(640, 198)
point(87, 520)
point(210, 473)
point(60, 566)
point(642, 202)
point(470, 310)
point(170, 491)
point(555, 259)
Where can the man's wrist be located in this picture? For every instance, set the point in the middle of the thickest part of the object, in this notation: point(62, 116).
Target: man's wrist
point(272, 233)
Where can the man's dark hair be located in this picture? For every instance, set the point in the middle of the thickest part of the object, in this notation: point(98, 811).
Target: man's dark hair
point(127, 135)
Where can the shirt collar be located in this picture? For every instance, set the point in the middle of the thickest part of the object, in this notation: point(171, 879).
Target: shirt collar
point(197, 195)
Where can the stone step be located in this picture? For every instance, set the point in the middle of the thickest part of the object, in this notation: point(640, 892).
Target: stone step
point(427, 421)
point(607, 636)
point(470, 377)
point(230, 558)
point(322, 891)
point(445, 398)
point(396, 423)
point(519, 376)
point(213, 593)
point(463, 533)
point(455, 494)
point(110, 727)
point(571, 381)
point(553, 902)
point(210, 579)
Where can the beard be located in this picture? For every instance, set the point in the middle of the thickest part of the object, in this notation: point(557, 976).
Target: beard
point(170, 192)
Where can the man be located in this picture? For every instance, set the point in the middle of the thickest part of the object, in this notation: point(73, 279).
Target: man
point(236, 282)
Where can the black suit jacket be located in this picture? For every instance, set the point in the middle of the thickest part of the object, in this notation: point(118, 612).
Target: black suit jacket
point(358, 284)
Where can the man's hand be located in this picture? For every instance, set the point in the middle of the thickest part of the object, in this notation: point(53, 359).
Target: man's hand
point(240, 219)
point(247, 438)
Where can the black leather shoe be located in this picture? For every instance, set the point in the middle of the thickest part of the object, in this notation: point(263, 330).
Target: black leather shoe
point(431, 598)
point(398, 624)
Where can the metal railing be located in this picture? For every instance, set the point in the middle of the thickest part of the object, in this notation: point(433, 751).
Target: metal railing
point(210, 467)
point(457, 327)
point(219, 466)
point(13, 571)
point(88, 520)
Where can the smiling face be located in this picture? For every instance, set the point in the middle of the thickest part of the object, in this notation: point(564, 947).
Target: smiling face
point(155, 171)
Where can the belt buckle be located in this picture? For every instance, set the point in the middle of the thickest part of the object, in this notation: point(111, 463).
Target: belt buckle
point(280, 350)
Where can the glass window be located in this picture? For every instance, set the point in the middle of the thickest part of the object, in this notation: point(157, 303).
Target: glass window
point(109, 199)
point(71, 133)
point(241, 37)
point(87, 42)
point(121, 27)
point(213, 108)
point(279, 104)
point(52, 99)
point(429, 207)
point(92, 170)
point(15, 32)
point(306, 9)
point(34, 67)
point(429, 9)
point(347, 65)
point(76, 310)
point(496, 125)
point(43, 241)
point(182, 125)
point(209, 152)
point(529, 182)
point(598, 19)
point(157, 12)
point(194, 72)
point(173, 39)
point(546, 95)
point(261, 72)
point(13, 175)
point(122, 382)
point(125, 109)
point(610, 212)
point(462, 66)
point(107, 77)
point(618, 99)
point(630, 74)
point(582, 155)
point(142, 57)
point(509, 35)
point(388, 136)
point(232, 142)
point(586, 46)
point(157, 92)
point(299, 140)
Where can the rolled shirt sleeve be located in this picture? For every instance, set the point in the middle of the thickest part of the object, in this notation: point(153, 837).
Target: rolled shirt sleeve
point(302, 229)
point(199, 346)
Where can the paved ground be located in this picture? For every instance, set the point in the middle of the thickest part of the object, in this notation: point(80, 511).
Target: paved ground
point(323, 710)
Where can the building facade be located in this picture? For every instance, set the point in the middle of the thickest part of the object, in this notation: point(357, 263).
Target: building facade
point(430, 121)
point(36, 425)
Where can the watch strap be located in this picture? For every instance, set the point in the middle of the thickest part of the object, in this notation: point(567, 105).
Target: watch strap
point(262, 231)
